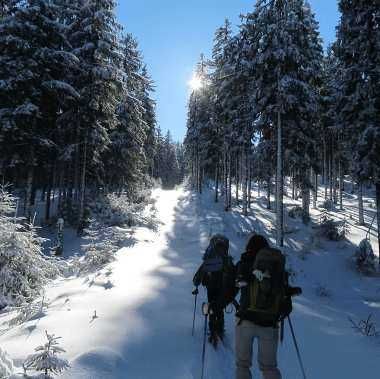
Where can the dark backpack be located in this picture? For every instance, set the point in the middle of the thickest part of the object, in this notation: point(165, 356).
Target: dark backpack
point(215, 255)
point(228, 282)
point(219, 269)
point(267, 290)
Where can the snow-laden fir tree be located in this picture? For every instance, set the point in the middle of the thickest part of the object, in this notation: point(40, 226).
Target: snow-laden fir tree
point(23, 268)
point(199, 123)
point(359, 54)
point(219, 143)
point(6, 365)
point(126, 156)
point(287, 64)
point(93, 35)
point(100, 248)
point(149, 119)
point(46, 358)
point(34, 90)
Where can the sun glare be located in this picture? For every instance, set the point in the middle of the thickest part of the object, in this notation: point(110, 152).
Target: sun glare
point(195, 83)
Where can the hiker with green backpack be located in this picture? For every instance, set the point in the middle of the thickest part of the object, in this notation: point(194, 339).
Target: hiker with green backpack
point(265, 301)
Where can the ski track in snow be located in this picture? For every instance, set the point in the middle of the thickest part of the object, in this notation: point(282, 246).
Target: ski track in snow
point(144, 306)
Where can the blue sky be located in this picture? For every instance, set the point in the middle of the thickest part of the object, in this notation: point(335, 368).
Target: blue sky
point(173, 33)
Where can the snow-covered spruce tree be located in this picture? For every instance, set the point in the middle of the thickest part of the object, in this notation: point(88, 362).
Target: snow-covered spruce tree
point(93, 35)
point(328, 122)
point(33, 90)
point(46, 358)
point(23, 268)
point(149, 119)
point(264, 165)
point(359, 54)
point(100, 249)
point(6, 365)
point(335, 153)
point(170, 173)
point(199, 123)
point(219, 144)
point(126, 156)
point(286, 65)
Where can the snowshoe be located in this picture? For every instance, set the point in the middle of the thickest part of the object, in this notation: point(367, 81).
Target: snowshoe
point(213, 339)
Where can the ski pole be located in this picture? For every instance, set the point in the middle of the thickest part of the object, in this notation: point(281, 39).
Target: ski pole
point(297, 348)
point(205, 312)
point(195, 309)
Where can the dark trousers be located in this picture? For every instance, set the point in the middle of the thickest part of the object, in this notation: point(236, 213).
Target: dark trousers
point(216, 317)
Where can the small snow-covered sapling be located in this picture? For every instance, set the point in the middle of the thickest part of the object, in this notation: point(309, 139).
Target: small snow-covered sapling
point(46, 358)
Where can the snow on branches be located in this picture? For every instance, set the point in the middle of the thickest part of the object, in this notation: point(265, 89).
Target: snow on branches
point(23, 268)
point(46, 359)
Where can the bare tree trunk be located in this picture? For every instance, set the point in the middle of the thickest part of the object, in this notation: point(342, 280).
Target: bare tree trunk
point(340, 185)
point(293, 186)
point(43, 193)
point(83, 188)
point(201, 180)
point(335, 183)
point(217, 180)
point(313, 177)
point(316, 190)
point(48, 198)
point(249, 182)
point(325, 166)
point(360, 200)
point(244, 162)
point(330, 178)
point(54, 183)
point(237, 177)
point(279, 186)
point(268, 194)
point(378, 215)
point(229, 182)
point(28, 206)
point(325, 173)
point(225, 172)
point(77, 166)
point(305, 204)
point(198, 172)
point(60, 187)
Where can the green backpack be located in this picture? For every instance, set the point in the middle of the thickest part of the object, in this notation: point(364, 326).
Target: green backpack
point(267, 289)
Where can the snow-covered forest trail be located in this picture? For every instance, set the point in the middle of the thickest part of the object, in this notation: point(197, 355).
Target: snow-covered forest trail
point(143, 304)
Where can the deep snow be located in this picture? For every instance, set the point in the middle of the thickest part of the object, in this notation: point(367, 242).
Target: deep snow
point(143, 303)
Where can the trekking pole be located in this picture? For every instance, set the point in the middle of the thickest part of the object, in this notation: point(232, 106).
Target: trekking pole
point(205, 312)
point(368, 234)
point(297, 348)
point(195, 310)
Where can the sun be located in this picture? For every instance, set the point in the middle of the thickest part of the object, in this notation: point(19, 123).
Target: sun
point(195, 83)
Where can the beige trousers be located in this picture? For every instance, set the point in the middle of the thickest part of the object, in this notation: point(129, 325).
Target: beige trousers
point(246, 332)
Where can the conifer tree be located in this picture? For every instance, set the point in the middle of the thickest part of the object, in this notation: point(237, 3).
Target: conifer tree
point(34, 90)
point(357, 48)
point(93, 35)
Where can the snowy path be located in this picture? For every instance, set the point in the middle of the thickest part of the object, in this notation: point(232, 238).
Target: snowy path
point(143, 304)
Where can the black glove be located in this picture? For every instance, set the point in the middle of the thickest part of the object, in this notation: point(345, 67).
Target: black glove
point(286, 308)
point(195, 291)
point(294, 291)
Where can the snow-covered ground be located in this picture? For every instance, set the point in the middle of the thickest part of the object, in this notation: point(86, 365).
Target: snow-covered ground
point(133, 319)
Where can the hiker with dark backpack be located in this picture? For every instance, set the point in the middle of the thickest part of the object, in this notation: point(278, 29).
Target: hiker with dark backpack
point(264, 302)
point(217, 274)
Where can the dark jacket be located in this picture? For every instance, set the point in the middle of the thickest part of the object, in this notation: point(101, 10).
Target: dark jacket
point(244, 274)
point(221, 284)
